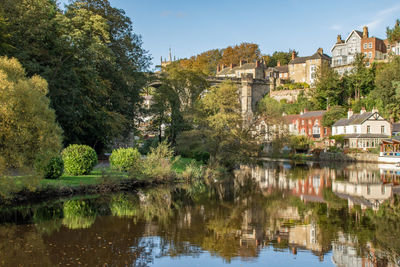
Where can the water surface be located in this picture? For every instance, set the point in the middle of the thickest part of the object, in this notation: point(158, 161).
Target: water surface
point(272, 214)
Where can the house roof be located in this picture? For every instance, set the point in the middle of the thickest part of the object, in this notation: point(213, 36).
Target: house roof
point(355, 119)
point(284, 68)
point(289, 118)
point(316, 55)
point(396, 127)
point(316, 113)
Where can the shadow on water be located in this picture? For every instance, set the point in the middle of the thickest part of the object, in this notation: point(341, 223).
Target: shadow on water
point(348, 215)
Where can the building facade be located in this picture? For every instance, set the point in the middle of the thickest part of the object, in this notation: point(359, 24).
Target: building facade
point(304, 69)
point(363, 130)
point(308, 123)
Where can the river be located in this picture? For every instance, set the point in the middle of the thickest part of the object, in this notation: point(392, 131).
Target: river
point(271, 214)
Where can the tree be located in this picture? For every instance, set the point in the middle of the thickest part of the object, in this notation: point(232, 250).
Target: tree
point(328, 88)
point(387, 90)
point(92, 60)
point(281, 56)
point(332, 115)
point(361, 80)
point(245, 51)
point(205, 62)
point(174, 100)
point(225, 134)
point(393, 34)
point(4, 36)
point(28, 130)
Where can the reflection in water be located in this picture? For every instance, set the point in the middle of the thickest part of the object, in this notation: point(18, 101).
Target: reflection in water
point(349, 216)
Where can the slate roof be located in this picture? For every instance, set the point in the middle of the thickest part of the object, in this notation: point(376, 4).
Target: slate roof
point(316, 113)
point(396, 127)
point(284, 68)
point(247, 66)
point(227, 71)
point(316, 55)
point(355, 119)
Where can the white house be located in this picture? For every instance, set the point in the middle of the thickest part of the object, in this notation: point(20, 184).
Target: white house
point(344, 51)
point(364, 130)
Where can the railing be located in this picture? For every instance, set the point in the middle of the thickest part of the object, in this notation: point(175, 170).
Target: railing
point(390, 154)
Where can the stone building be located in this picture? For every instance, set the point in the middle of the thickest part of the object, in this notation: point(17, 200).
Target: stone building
point(303, 69)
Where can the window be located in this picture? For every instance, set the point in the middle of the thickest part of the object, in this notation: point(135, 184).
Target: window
point(309, 131)
point(365, 46)
point(344, 129)
point(302, 122)
point(370, 45)
point(368, 129)
point(365, 54)
point(355, 129)
point(325, 131)
point(370, 54)
point(309, 122)
point(382, 129)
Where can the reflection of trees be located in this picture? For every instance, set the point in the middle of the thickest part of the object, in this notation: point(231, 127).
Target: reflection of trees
point(48, 218)
point(123, 205)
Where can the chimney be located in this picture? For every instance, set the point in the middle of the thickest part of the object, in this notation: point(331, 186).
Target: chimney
point(278, 63)
point(241, 63)
point(349, 113)
point(293, 55)
point(362, 111)
point(218, 68)
point(320, 51)
point(231, 66)
point(339, 39)
point(374, 110)
point(365, 32)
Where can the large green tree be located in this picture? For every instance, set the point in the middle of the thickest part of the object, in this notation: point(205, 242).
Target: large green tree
point(91, 59)
point(28, 130)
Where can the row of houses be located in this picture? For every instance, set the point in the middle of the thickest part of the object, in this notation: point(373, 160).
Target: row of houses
point(362, 130)
point(303, 69)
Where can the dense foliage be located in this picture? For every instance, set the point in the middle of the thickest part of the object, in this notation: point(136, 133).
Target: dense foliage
point(54, 169)
point(90, 57)
point(124, 158)
point(28, 130)
point(79, 159)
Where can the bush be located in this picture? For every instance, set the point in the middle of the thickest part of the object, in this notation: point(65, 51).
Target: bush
point(193, 171)
point(144, 148)
point(124, 158)
point(79, 159)
point(54, 169)
point(157, 164)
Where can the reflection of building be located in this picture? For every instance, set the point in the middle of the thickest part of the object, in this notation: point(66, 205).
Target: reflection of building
point(344, 254)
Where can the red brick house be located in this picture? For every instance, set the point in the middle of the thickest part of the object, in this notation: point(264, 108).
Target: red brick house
point(308, 123)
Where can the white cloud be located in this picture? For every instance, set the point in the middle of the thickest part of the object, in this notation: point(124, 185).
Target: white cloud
point(380, 17)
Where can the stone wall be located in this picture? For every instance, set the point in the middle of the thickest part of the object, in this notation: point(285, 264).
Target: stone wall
point(289, 95)
point(351, 157)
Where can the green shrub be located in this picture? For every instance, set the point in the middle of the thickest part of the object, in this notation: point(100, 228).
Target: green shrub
point(157, 164)
point(124, 158)
point(193, 171)
point(203, 156)
point(79, 159)
point(54, 169)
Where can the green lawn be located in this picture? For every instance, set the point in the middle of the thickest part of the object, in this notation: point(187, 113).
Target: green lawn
point(95, 177)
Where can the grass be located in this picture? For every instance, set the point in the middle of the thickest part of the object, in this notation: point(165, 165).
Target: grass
point(181, 163)
point(95, 177)
point(98, 174)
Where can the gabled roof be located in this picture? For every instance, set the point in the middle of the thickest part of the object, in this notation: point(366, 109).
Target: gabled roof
point(355, 119)
point(299, 60)
point(360, 34)
point(316, 113)
point(289, 118)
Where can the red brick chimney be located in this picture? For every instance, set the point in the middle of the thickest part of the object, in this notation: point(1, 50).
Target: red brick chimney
point(365, 32)
point(278, 63)
point(293, 55)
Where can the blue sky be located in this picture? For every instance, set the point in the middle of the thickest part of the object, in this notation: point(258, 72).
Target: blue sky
point(193, 26)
